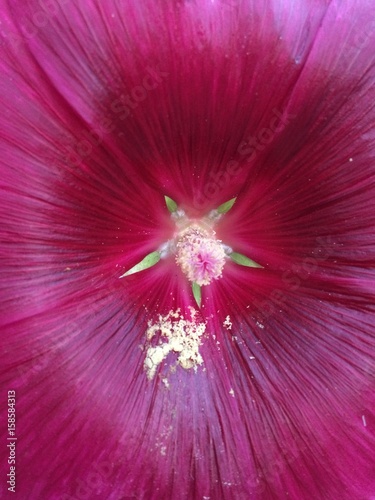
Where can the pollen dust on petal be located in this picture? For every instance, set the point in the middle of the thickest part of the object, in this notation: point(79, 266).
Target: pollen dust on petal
point(174, 334)
point(227, 323)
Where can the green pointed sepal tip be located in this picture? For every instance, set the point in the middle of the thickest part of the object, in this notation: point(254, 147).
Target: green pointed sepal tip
point(197, 292)
point(225, 207)
point(242, 260)
point(150, 260)
point(171, 204)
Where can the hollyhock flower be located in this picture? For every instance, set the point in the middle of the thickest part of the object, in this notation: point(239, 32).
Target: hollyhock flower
point(160, 340)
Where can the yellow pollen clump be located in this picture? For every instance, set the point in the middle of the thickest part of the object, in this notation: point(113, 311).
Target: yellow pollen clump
point(176, 334)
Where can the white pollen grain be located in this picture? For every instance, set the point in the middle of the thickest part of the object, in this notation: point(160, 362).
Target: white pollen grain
point(364, 421)
point(165, 382)
point(227, 323)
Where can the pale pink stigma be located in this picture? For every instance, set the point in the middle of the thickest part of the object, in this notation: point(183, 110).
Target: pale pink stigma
point(200, 255)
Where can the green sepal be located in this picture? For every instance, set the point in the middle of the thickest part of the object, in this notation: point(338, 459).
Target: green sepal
point(242, 260)
point(197, 292)
point(150, 260)
point(225, 207)
point(171, 204)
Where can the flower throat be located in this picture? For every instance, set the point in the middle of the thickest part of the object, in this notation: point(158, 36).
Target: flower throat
point(196, 250)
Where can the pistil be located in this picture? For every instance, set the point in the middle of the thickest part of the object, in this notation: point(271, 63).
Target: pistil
point(200, 255)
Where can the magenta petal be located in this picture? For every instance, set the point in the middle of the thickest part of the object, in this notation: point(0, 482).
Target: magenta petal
point(107, 107)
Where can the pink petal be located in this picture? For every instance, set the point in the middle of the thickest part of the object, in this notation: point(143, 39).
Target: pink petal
point(283, 405)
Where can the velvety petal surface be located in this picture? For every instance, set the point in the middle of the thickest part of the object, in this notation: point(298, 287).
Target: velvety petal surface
point(105, 108)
